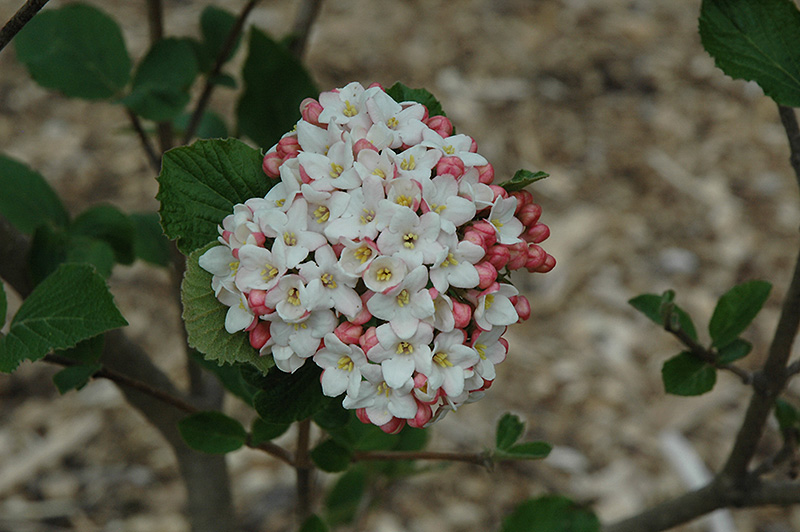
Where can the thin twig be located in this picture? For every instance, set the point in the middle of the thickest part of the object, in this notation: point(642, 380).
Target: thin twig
point(222, 57)
point(23, 15)
point(307, 12)
point(786, 452)
point(481, 459)
point(793, 369)
point(707, 355)
point(150, 151)
point(789, 121)
point(303, 468)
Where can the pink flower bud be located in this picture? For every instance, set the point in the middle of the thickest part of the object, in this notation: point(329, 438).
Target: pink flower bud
point(518, 255)
point(434, 293)
point(368, 340)
point(252, 325)
point(450, 165)
point(310, 110)
point(287, 146)
point(440, 124)
point(394, 426)
point(376, 84)
point(361, 414)
point(363, 144)
point(486, 273)
point(475, 237)
point(260, 335)
point(502, 341)
point(487, 231)
point(498, 255)
point(529, 214)
point(424, 414)
point(523, 198)
point(226, 235)
point(536, 257)
point(348, 333)
point(255, 299)
point(537, 233)
point(235, 253)
point(304, 177)
point(485, 174)
point(364, 316)
point(548, 264)
point(259, 238)
point(271, 164)
point(499, 192)
point(337, 248)
point(473, 146)
point(523, 308)
point(462, 313)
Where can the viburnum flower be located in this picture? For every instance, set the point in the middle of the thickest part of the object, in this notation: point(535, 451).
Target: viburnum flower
point(382, 253)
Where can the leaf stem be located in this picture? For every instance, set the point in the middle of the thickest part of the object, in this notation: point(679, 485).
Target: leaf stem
point(149, 150)
point(23, 15)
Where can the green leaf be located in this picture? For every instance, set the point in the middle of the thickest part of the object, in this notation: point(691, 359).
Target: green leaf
point(200, 184)
point(684, 374)
point(88, 250)
point(71, 305)
point(109, 224)
point(274, 85)
point(160, 89)
point(74, 377)
point(550, 513)
point(734, 351)
point(204, 318)
point(401, 93)
point(27, 200)
point(77, 49)
point(788, 417)
point(333, 416)
point(211, 126)
point(149, 242)
point(224, 80)
point(344, 498)
point(532, 450)
point(3, 304)
point(52, 247)
point(758, 41)
point(87, 351)
point(215, 26)
point(735, 310)
point(262, 431)
point(314, 524)
point(509, 429)
point(212, 432)
point(659, 308)
point(289, 397)
point(522, 179)
point(331, 456)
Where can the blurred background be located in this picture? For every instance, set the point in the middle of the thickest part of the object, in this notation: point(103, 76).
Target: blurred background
point(664, 174)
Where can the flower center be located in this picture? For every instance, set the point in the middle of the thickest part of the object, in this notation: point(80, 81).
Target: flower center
point(449, 260)
point(336, 170)
point(404, 348)
point(441, 359)
point(293, 296)
point(298, 326)
point(367, 217)
point(488, 301)
point(280, 202)
point(322, 214)
point(363, 253)
point(392, 122)
point(497, 223)
point(327, 281)
point(269, 272)
point(481, 349)
point(449, 150)
point(380, 173)
point(408, 164)
point(349, 110)
point(438, 208)
point(290, 239)
point(409, 239)
point(383, 274)
point(405, 201)
point(403, 298)
point(234, 266)
point(345, 363)
point(383, 389)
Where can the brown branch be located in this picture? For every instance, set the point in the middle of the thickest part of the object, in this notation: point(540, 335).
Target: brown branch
point(789, 121)
point(23, 15)
point(222, 57)
point(481, 459)
point(303, 469)
point(144, 140)
point(307, 13)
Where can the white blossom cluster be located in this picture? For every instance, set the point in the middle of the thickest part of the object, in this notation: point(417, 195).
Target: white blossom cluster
point(376, 255)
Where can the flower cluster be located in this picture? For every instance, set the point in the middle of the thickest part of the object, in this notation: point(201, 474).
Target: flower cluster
point(380, 254)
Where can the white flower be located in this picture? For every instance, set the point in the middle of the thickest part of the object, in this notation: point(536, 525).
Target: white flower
point(239, 315)
point(443, 317)
point(400, 358)
point(490, 351)
point(380, 401)
point(402, 123)
point(384, 274)
point(441, 196)
point(259, 268)
point(324, 208)
point(417, 163)
point(334, 170)
point(455, 266)
point(290, 299)
point(456, 145)
point(331, 286)
point(302, 337)
point(412, 238)
point(357, 255)
point(341, 367)
point(220, 262)
point(405, 305)
point(452, 362)
point(494, 307)
point(292, 239)
point(344, 106)
point(502, 218)
point(359, 220)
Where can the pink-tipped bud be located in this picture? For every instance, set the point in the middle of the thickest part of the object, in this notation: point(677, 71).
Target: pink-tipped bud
point(486, 273)
point(450, 165)
point(259, 238)
point(475, 237)
point(462, 313)
point(226, 235)
point(473, 146)
point(394, 426)
point(337, 248)
point(529, 214)
point(271, 164)
point(498, 255)
point(499, 192)
point(548, 264)
point(523, 198)
point(487, 231)
point(363, 144)
point(288, 146)
point(486, 385)
point(440, 124)
point(423, 415)
point(310, 110)
point(368, 340)
point(361, 414)
point(362, 317)
point(256, 299)
point(523, 308)
point(304, 177)
point(502, 341)
point(348, 333)
point(376, 84)
point(486, 174)
point(537, 233)
point(536, 257)
point(260, 335)
point(434, 293)
point(518, 255)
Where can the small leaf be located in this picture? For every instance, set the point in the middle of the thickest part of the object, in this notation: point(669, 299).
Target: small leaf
point(686, 375)
point(550, 513)
point(758, 41)
point(735, 310)
point(509, 429)
point(274, 85)
point(788, 417)
point(532, 450)
point(314, 524)
point(262, 431)
point(290, 397)
point(212, 432)
point(655, 307)
point(160, 89)
point(149, 242)
point(650, 306)
point(200, 184)
point(401, 93)
point(215, 25)
point(77, 49)
point(333, 416)
point(211, 126)
point(344, 498)
point(52, 247)
point(331, 456)
point(71, 305)
point(87, 351)
point(522, 179)
point(734, 351)
point(74, 377)
point(109, 224)
point(27, 200)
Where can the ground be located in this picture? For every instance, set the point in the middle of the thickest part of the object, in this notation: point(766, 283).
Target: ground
point(664, 174)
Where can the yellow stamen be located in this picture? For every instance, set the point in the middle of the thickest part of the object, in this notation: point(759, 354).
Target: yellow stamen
point(438, 208)
point(269, 272)
point(408, 164)
point(322, 214)
point(290, 239)
point(449, 150)
point(345, 363)
point(384, 274)
point(380, 173)
point(363, 253)
point(280, 202)
point(488, 301)
point(293, 297)
point(349, 110)
point(481, 349)
point(404, 200)
point(384, 389)
point(367, 217)
point(409, 239)
point(497, 223)
point(327, 281)
point(392, 122)
point(404, 348)
point(403, 298)
point(449, 260)
point(298, 326)
point(336, 170)
point(441, 359)
point(234, 265)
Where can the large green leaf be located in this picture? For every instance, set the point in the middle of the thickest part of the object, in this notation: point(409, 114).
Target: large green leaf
point(331, 456)
point(288, 397)
point(27, 200)
point(77, 49)
point(74, 377)
point(735, 310)
point(215, 25)
point(109, 224)
point(401, 93)
point(160, 88)
point(685, 374)
point(212, 432)
point(275, 84)
point(200, 184)
point(344, 497)
point(149, 242)
point(660, 308)
point(550, 513)
point(756, 40)
point(204, 317)
point(71, 305)
point(52, 247)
